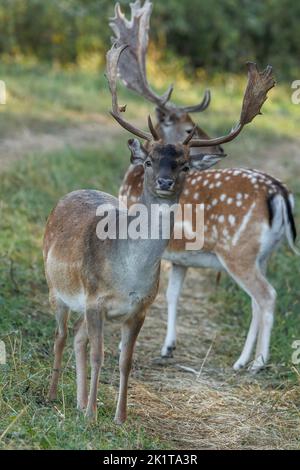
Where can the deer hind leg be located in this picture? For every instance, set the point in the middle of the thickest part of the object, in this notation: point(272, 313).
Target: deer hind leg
point(94, 324)
point(61, 334)
point(130, 331)
point(252, 280)
point(245, 356)
point(176, 279)
point(267, 306)
point(80, 348)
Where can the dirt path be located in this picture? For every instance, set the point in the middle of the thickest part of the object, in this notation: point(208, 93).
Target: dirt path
point(280, 160)
point(25, 143)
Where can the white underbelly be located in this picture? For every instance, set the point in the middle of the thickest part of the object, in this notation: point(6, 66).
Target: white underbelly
point(75, 302)
point(114, 306)
point(193, 259)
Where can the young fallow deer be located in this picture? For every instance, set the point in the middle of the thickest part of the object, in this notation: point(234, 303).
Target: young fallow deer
point(247, 213)
point(104, 279)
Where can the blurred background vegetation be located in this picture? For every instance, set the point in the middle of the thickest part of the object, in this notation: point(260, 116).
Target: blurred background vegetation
point(215, 35)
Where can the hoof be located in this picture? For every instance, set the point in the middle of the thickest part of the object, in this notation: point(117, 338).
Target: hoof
point(81, 408)
point(257, 366)
point(119, 420)
point(238, 365)
point(52, 396)
point(253, 370)
point(167, 351)
point(90, 416)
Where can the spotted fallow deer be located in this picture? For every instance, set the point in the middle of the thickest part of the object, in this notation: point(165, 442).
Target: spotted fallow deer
point(247, 213)
point(104, 279)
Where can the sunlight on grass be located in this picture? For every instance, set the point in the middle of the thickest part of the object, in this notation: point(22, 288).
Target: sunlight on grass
point(47, 99)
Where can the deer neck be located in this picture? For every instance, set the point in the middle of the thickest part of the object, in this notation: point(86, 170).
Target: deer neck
point(148, 251)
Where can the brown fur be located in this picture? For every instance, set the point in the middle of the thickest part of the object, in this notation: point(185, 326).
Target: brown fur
point(200, 188)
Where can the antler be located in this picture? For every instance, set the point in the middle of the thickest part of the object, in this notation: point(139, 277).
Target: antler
point(132, 64)
point(112, 59)
point(198, 107)
point(259, 83)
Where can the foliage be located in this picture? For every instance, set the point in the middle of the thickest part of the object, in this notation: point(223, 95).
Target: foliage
point(217, 35)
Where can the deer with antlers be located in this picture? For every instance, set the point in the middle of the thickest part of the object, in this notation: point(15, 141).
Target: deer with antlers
point(247, 213)
point(117, 278)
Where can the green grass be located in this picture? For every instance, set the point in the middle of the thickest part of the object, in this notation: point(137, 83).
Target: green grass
point(45, 99)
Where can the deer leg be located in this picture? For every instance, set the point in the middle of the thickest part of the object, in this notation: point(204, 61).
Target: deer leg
point(80, 348)
point(251, 339)
point(94, 323)
point(173, 292)
point(267, 300)
point(62, 314)
point(250, 278)
point(130, 331)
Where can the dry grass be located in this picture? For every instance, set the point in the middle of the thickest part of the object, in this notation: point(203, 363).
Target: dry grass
point(216, 408)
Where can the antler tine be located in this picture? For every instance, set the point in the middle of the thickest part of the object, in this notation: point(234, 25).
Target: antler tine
point(259, 83)
point(132, 64)
point(198, 108)
point(190, 136)
point(152, 129)
point(112, 58)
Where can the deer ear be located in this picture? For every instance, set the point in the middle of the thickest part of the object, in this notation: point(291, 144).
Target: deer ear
point(138, 152)
point(204, 161)
point(160, 114)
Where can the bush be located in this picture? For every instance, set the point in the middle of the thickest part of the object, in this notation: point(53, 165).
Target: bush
point(218, 35)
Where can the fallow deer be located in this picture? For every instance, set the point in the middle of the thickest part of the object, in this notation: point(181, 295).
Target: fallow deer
point(103, 279)
point(247, 213)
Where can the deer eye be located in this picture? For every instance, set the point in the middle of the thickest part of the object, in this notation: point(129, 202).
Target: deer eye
point(148, 163)
point(185, 169)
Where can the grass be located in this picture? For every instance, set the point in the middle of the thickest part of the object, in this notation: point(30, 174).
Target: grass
point(45, 99)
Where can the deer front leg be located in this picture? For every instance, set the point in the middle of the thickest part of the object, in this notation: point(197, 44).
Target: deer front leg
point(80, 348)
point(94, 323)
point(173, 292)
point(130, 331)
point(61, 334)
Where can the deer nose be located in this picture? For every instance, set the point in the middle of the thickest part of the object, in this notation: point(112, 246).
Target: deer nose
point(165, 184)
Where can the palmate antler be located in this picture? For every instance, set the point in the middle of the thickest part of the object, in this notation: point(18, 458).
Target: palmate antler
point(259, 83)
point(132, 63)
